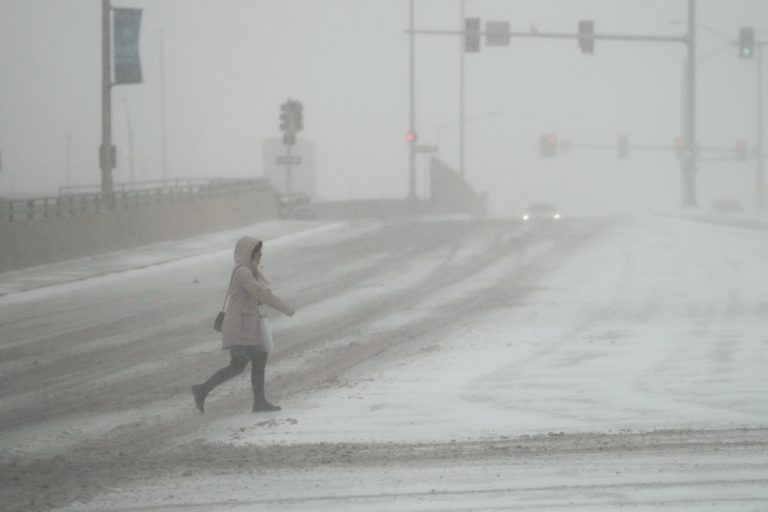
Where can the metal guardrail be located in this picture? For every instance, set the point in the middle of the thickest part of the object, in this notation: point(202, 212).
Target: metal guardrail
point(137, 185)
point(73, 201)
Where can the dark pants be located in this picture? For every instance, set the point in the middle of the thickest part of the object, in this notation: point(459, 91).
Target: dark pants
point(239, 356)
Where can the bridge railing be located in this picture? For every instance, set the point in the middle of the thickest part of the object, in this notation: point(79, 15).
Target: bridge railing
point(81, 200)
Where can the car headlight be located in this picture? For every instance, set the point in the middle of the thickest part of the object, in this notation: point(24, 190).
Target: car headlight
point(526, 217)
point(557, 216)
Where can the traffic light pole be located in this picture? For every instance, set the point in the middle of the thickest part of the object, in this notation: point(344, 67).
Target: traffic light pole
point(689, 164)
point(759, 183)
point(291, 122)
point(288, 176)
point(557, 35)
point(728, 152)
point(412, 113)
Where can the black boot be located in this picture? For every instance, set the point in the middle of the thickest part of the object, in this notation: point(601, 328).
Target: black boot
point(265, 407)
point(236, 365)
point(258, 365)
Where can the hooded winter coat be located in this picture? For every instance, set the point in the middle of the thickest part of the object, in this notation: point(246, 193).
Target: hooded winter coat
point(249, 290)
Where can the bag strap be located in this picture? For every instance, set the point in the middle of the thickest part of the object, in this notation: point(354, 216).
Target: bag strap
point(226, 297)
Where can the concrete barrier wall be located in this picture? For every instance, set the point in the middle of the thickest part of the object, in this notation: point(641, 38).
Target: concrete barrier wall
point(35, 242)
point(449, 194)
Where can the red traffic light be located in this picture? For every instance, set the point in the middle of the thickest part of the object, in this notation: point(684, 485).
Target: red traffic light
point(410, 136)
point(548, 145)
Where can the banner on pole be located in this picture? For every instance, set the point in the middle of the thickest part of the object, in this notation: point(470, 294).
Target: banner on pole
point(126, 46)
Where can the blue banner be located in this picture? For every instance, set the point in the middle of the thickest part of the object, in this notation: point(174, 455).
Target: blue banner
point(126, 46)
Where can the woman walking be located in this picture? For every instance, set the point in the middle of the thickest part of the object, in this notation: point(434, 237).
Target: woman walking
point(242, 331)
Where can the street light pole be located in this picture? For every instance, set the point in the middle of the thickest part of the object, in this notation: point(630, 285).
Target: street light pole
point(130, 140)
point(461, 92)
point(106, 160)
point(759, 184)
point(689, 163)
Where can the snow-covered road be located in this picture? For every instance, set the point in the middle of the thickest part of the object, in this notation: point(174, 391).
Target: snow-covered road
point(440, 365)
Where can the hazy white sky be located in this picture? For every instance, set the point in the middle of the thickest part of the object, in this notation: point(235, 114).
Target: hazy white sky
point(230, 63)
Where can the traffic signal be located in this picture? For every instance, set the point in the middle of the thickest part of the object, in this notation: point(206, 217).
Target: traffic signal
point(410, 137)
point(548, 145)
point(291, 120)
point(297, 116)
point(587, 36)
point(741, 150)
point(623, 146)
point(685, 149)
point(284, 115)
point(746, 42)
point(472, 35)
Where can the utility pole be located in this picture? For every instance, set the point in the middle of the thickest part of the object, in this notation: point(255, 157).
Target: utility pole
point(412, 115)
point(106, 151)
point(689, 163)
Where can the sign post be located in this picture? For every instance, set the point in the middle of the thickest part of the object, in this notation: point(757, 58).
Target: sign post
point(291, 122)
point(127, 70)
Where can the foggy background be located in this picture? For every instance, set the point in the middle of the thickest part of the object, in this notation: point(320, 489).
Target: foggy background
point(229, 64)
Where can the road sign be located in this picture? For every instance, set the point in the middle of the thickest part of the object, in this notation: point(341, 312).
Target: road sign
point(283, 160)
point(425, 149)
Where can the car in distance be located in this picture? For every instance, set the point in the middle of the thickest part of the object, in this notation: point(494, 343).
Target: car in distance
point(727, 205)
point(296, 205)
point(541, 212)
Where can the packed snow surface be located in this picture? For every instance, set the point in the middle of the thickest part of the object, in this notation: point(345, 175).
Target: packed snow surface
point(596, 362)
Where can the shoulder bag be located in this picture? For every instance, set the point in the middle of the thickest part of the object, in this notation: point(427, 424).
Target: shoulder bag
point(219, 322)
